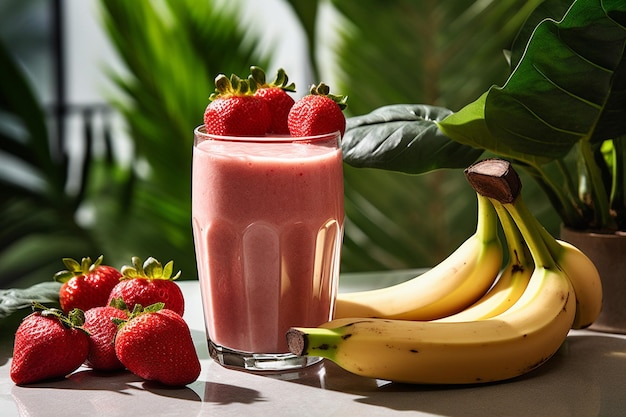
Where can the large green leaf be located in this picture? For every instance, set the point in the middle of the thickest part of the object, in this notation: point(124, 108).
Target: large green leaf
point(566, 88)
point(404, 138)
point(565, 97)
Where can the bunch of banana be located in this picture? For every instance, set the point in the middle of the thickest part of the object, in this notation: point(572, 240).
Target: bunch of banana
point(494, 339)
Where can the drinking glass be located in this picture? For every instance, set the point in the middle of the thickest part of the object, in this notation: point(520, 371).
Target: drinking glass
point(268, 226)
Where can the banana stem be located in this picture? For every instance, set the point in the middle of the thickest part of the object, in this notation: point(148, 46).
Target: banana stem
point(518, 250)
point(528, 226)
point(497, 180)
point(313, 342)
point(487, 223)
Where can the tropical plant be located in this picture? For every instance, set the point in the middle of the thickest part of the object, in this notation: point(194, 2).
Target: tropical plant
point(560, 115)
point(172, 54)
point(37, 226)
point(114, 209)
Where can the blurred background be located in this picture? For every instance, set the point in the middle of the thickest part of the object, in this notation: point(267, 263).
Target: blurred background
point(98, 100)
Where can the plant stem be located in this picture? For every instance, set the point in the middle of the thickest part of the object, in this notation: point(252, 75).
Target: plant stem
point(598, 192)
point(618, 198)
point(564, 201)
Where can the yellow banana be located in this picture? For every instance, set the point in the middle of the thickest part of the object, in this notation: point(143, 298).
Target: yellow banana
point(585, 279)
point(584, 276)
point(447, 288)
point(510, 284)
point(502, 347)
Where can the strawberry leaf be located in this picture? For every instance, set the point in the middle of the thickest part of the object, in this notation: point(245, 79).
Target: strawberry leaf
point(153, 308)
point(129, 272)
point(71, 264)
point(75, 269)
point(168, 269)
point(137, 264)
point(153, 268)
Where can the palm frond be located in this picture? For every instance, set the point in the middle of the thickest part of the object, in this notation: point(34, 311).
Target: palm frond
point(172, 55)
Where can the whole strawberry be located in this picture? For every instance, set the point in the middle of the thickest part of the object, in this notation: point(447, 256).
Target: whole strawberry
point(318, 113)
point(99, 322)
point(276, 97)
point(85, 284)
point(148, 284)
point(155, 344)
point(48, 344)
point(234, 110)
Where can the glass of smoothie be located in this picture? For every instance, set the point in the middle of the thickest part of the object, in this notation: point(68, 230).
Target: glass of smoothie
point(268, 226)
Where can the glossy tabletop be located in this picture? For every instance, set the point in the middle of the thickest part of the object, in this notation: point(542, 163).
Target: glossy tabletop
point(586, 378)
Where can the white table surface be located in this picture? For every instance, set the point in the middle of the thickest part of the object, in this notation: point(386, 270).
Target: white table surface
point(586, 378)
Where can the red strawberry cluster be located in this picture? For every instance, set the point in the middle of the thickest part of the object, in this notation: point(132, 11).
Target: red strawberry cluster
point(153, 342)
point(254, 107)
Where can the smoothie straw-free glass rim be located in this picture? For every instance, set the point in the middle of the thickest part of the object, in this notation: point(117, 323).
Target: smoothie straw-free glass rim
point(201, 133)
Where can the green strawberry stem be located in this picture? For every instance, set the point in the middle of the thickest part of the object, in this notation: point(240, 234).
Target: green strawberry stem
point(150, 269)
point(324, 90)
point(119, 304)
point(138, 310)
point(74, 319)
point(76, 269)
point(233, 86)
point(257, 76)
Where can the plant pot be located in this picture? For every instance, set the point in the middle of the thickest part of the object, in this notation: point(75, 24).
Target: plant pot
point(608, 253)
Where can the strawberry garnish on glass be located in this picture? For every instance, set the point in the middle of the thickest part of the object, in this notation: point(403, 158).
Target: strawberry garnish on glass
point(318, 113)
point(234, 110)
point(275, 94)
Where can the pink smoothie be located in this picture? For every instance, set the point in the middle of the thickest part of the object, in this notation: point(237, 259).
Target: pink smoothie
point(268, 224)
